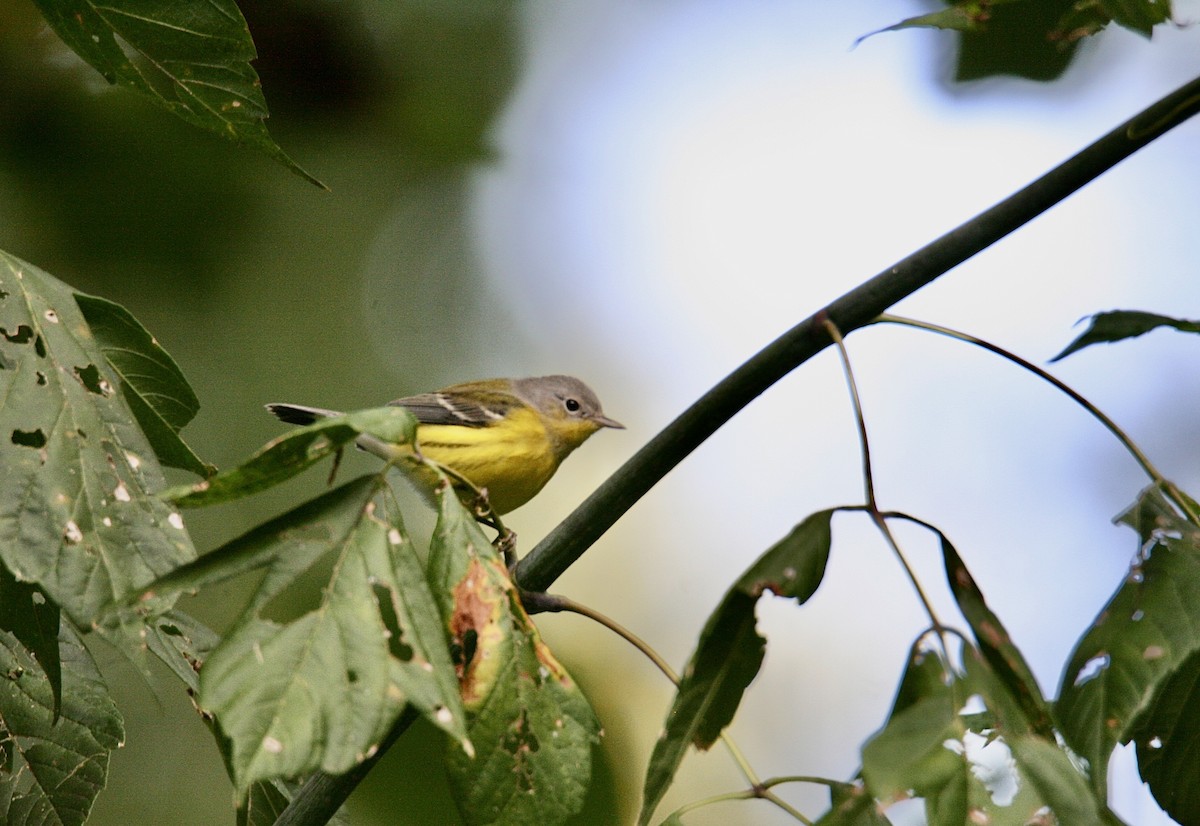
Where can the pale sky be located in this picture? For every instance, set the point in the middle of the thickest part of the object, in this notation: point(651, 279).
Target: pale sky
point(683, 181)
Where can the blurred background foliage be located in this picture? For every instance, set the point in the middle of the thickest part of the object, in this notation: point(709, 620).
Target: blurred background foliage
point(266, 289)
point(251, 277)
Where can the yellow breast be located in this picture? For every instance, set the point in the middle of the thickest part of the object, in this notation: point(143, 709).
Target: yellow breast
point(513, 458)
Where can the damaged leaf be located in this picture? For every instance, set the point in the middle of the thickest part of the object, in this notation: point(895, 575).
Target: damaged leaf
point(1145, 633)
point(321, 691)
point(730, 650)
point(79, 514)
point(154, 386)
point(533, 728)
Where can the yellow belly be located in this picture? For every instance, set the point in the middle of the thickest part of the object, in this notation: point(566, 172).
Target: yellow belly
point(512, 459)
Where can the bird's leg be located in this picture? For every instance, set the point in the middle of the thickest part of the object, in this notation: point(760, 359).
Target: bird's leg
point(506, 544)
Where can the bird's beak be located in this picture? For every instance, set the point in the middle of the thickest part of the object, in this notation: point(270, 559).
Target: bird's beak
point(604, 421)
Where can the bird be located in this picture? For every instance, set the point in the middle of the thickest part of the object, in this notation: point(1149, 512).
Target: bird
point(505, 436)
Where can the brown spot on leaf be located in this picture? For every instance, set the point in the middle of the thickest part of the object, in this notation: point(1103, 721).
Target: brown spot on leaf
point(476, 632)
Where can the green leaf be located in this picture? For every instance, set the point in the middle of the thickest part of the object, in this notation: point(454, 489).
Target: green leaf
point(288, 545)
point(532, 725)
point(960, 17)
point(1116, 325)
point(182, 643)
point(1145, 633)
point(1021, 39)
point(154, 386)
point(1047, 775)
point(962, 742)
point(1081, 20)
point(192, 57)
point(33, 620)
point(52, 766)
point(321, 691)
point(78, 510)
point(294, 452)
point(995, 644)
point(730, 650)
point(1139, 15)
point(1168, 742)
point(913, 753)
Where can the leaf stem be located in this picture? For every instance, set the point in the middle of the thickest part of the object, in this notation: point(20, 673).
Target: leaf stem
point(872, 506)
point(1141, 458)
point(758, 792)
point(554, 603)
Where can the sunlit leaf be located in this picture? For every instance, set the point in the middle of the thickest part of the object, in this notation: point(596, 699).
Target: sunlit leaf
point(1148, 629)
point(321, 691)
point(79, 511)
point(730, 650)
point(52, 766)
point(960, 740)
point(1045, 774)
point(1168, 742)
point(914, 752)
point(533, 728)
point(294, 452)
point(154, 386)
point(1049, 773)
point(192, 57)
point(1122, 324)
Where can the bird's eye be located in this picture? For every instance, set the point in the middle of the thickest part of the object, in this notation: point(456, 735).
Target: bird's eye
point(572, 405)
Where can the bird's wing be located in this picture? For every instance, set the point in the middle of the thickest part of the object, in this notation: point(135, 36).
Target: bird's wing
point(451, 408)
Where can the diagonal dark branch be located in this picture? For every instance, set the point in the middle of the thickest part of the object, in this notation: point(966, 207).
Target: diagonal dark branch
point(575, 534)
point(323, 794)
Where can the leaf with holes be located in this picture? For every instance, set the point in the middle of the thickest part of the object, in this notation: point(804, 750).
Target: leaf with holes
point(183, 643)
point(960, 740)
point(79, 511)
point(1168, 742)
point(1148, 629)
point(532, 725)
point(154, 386)
point(730, 650)
point(52, 766)
point(192, 57)
point(321, 691)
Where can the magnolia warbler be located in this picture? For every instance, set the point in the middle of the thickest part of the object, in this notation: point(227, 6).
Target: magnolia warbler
point(506, 436)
